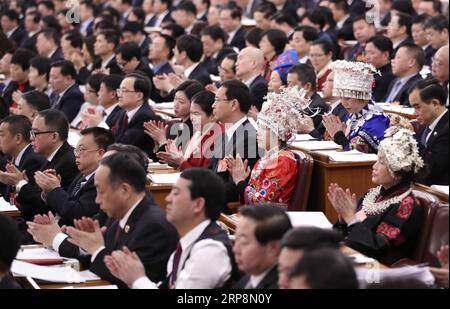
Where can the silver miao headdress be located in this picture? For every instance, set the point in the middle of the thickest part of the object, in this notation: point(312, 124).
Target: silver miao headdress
point(281, 111)
point(353, 79)
point(401, 151)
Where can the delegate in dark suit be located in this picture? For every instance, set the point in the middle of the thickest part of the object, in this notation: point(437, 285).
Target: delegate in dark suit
point(149, 234)
point(70, 205)
point(70, 103)
point(270, 281)
point(402, 95)
point(405, 41)
point(382, 82)
point(112, 118)
point(111, 65)
point(18, 36)
point(338, 111)
point(239, 39)
point(211, 64)
point(258, 90)
point(435, 154)
point(244, 143)
point(57, 56)
point(200, 74)
point(317, 105)
point(133, 132)
point(30, 43)
point(29, 197)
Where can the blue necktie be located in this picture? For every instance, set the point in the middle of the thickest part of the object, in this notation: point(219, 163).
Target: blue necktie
point(423, 138)
point(394, 91)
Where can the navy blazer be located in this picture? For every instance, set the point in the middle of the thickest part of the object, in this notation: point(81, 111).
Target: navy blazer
point(405, 41)
point(435, 154)
point(111, 65)
point(57, 56)
point(270, 281)
point(382, 83)
point(165, 69)
point(239, 39)
point(258, 90)
point(200, 74)
point(340, 111)
point(317, 104)
point(70, 103)
point(30, 43)
point(114, 116)
point(148, 233)
point(403, 94)
point(18, 36)
point(69, 206)
point(29, 197)
point(133, 133)
point(346, 32)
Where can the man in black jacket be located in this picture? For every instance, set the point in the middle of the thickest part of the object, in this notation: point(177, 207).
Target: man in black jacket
point(79, 200)
point(138, 223)
point(214, 47)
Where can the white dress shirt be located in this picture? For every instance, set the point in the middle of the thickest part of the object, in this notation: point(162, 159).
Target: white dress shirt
point(433, 125)
point(208, 265)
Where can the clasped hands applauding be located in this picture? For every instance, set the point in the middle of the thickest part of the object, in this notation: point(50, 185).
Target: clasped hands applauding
point(345, 204)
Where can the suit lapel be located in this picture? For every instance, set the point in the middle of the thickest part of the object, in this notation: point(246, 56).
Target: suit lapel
point(437, 130)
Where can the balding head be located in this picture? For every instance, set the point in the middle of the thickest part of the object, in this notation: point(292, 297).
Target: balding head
point(439, 66)
point(250, 63)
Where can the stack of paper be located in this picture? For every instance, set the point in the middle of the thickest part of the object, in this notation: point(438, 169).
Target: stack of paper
point(349, 156)
point(309, 218)
point(316, 145)
point(368, 276)
point(5, 206)
point(443, 189)
point(46, 273)
point(169, 179)
point(157, 166)
point(164, 106)
point(303, 137)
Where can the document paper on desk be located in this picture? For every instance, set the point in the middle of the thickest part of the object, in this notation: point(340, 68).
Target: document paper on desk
point(349, 156)
point(36, 254)
point(46, 273)
point(380, 275)
point(443, 189)
point(309, 218)
point(5, 206)
point(168, 179)
point(316, 145)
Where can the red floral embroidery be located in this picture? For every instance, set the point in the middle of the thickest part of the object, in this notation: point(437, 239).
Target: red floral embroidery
point(406, 208)
point(388, 230)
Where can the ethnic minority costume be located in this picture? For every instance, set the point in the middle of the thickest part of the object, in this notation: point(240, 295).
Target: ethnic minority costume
point(364, 130)
point(390, 235)
point(273, 179)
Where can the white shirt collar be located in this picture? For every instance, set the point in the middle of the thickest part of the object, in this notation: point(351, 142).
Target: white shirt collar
point(190, 69)
point(231, 35)
point(425, 46)
point(433, 125)
point(249, 81)
point(89, 176)
point(230, 131)
point(395, 45)
point(105, 63)
point(188, 240)
point(255, 280)
point(54, 153)
point(85, 24)
point(10, 32)
point(109, 110)
point(125, 218)
point(160, 18)
point(131, 113)
point(20, 155)
point(53, 52)
point(341, 23)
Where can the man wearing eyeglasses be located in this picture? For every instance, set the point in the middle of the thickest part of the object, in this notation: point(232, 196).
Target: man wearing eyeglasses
point(49, 135)
point(133, 97)
point(79, 199)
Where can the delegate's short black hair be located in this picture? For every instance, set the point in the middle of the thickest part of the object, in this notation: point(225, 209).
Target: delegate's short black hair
point(176, 31)
point(235, 10)
point(207, 185)
point(36, 100)
point(311, 238)
point(66, 67)
point(339, 272)
point(283, 18)
point(253, 36)
point(405, 20)
point(134, 27)
point(51, 22)
point(309, 33)
point(430, 89)
point(382, 43)
point(124, 168)
point(18, 124)
point(188, 7)
point(420, 19)
point(134, 152)
point(111, 36)
point(403, 6)
point(190, 88)
point(22, 58)
point(74, 37)
point(215, 32)
point(51, 35)
point(237, 90)
point(12, 15)
point(204, 99)
point(268, 9)
point(341, 5)
point(438, 23)
point(277, 39)
point(36, 16)
point(305, 74)
point(112, 81)
point(95, 80)
point(272, 222)
point(437, 5)
point(192, 45)
point(141, 84)
point(129, 50)
point(232, 57)
point(9, 242)
point(55, 120)
point(417, 53)
point(325, 45)
point(103, 138)
point(315, 16)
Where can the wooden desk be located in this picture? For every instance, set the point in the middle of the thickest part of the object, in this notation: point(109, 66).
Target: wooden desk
point(357, 176)
point(25, 283)
point(12, 214)
point(159, 193)
point(440, 195)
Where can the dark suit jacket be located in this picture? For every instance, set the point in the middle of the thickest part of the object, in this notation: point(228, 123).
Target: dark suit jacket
point(70, 103)
point(144, 47)
point(133, 134)
point(211, 64)
point(402, 95)
point(270, 281)
point(57, 56)
point(435, 154)
point(167, 19)
point(9, 90)
point(112, 66)
point(429, 53)
point(382, 83)
point(30, 162)
point(258, 90)
point(149, 234)
point(30, 43)
point(338, 111)
point(29, 197)
point(18, 36)
point(243, 143)
point(69, 206)
point(346, 32)
point(317, 103)
point(200, 74)
point(114, 116)
point(165, 69)
point(239, 39)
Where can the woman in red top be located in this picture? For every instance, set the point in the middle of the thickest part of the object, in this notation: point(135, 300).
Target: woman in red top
point(199, 151)
point(272, 44)
point(321, 56)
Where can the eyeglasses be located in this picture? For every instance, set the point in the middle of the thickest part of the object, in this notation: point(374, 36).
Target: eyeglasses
point(121, 91)
point(83, 150)
point(33, 133)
